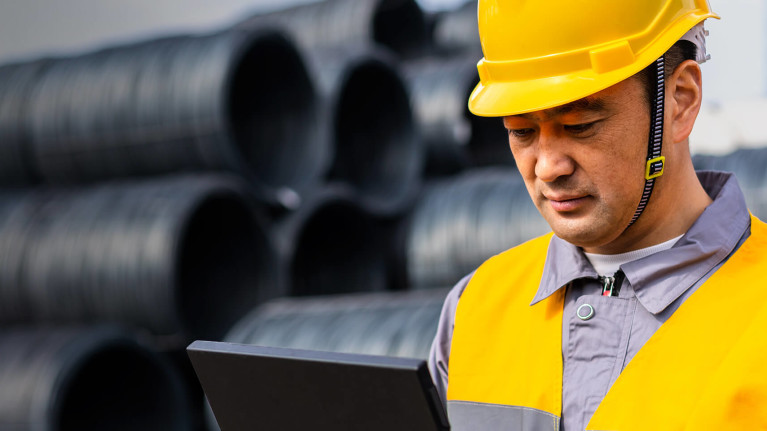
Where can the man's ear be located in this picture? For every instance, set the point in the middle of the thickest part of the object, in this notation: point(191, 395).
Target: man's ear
point(684, 91)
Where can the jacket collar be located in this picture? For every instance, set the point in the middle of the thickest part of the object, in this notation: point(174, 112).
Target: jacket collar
point(661, 278)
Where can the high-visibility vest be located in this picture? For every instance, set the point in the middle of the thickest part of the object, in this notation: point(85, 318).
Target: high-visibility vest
point(705, 368)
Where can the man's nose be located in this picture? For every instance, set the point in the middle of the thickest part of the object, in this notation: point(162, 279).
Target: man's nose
point(553, 160)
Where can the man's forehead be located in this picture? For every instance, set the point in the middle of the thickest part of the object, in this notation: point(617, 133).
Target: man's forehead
point(587, 104)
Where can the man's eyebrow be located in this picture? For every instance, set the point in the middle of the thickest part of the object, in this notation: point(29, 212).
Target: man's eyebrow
point(589, 104)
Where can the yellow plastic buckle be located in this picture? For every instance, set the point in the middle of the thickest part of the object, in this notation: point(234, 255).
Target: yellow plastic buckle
point(655, 167)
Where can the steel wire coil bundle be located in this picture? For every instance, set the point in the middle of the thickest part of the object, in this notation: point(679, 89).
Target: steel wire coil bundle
point(16, 83)
point(332, 245)
point(460, 222)
point(393, 324)
point(454, 138)
point(228, 101)
point(179, 256)
point(376, 148)
point(86, 379)
point(457, 30)
point(396, 24)
point(748, 165)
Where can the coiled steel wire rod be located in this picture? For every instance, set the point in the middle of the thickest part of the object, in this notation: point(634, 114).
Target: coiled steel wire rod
point(377, 150)
point(457, 30)
point(454, 138)
point(233, 101)
point(86, 379)
point(179, 256)
point(333, 245)
point(16, 84)
point(462, 221)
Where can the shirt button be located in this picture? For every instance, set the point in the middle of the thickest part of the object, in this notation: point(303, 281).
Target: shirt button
point(585, 312)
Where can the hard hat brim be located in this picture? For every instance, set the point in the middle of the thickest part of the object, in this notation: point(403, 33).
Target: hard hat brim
point(500, 99)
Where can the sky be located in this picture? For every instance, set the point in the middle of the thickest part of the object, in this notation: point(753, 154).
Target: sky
point(738, 47)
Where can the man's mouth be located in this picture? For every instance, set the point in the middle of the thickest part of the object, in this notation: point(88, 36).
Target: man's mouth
point(566, 203)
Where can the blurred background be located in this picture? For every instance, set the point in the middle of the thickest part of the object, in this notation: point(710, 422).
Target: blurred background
point(285, 173)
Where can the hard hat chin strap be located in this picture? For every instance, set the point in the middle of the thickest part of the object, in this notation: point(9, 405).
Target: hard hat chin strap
point(655, 162)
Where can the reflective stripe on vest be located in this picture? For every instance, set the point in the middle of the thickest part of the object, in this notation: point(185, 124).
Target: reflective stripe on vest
point(703, 369)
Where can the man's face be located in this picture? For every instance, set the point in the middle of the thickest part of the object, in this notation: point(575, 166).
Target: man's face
point(583, 163)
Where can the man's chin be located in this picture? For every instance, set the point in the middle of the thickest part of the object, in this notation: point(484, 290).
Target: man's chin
point(583, 234)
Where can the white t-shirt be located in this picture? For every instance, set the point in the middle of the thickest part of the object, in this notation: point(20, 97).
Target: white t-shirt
point(608, 264)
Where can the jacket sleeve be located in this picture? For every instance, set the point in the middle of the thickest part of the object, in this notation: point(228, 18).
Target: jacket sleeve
point(440, 348)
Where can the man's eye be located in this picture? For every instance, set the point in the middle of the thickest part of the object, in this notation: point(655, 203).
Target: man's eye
point(520, 133)
point(579, 128)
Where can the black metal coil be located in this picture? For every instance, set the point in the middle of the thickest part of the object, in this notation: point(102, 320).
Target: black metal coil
point(377, 150)
point(178, 256)
point(455, 139)
point(397, 24)
point(457, 30)
point(16, 83)
point(86, 379)
point(234, 101)
point(393, 324)
point(749, 166)
point(332, 245)
point(460, 222)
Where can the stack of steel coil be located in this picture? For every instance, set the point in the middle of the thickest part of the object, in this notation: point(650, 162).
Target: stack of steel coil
point(16, 83)
point(460, 222)
point(179, 104)
point(376, 148)
point(454, 138)
point(457, 30)
point(332, 245)
point(185, 255)
point(87, 379)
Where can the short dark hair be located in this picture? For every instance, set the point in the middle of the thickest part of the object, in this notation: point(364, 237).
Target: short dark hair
point(681, 51)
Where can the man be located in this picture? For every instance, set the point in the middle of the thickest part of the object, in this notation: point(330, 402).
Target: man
point(641, 310)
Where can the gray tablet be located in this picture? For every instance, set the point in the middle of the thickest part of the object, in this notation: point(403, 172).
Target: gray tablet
point(268, 388)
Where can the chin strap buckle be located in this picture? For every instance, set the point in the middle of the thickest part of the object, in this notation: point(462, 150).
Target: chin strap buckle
point(655, 168)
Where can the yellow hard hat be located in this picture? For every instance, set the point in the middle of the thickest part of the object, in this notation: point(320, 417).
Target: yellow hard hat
point(544, 53)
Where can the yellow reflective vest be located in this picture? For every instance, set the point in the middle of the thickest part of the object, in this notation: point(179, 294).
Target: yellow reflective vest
point(704, 369)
